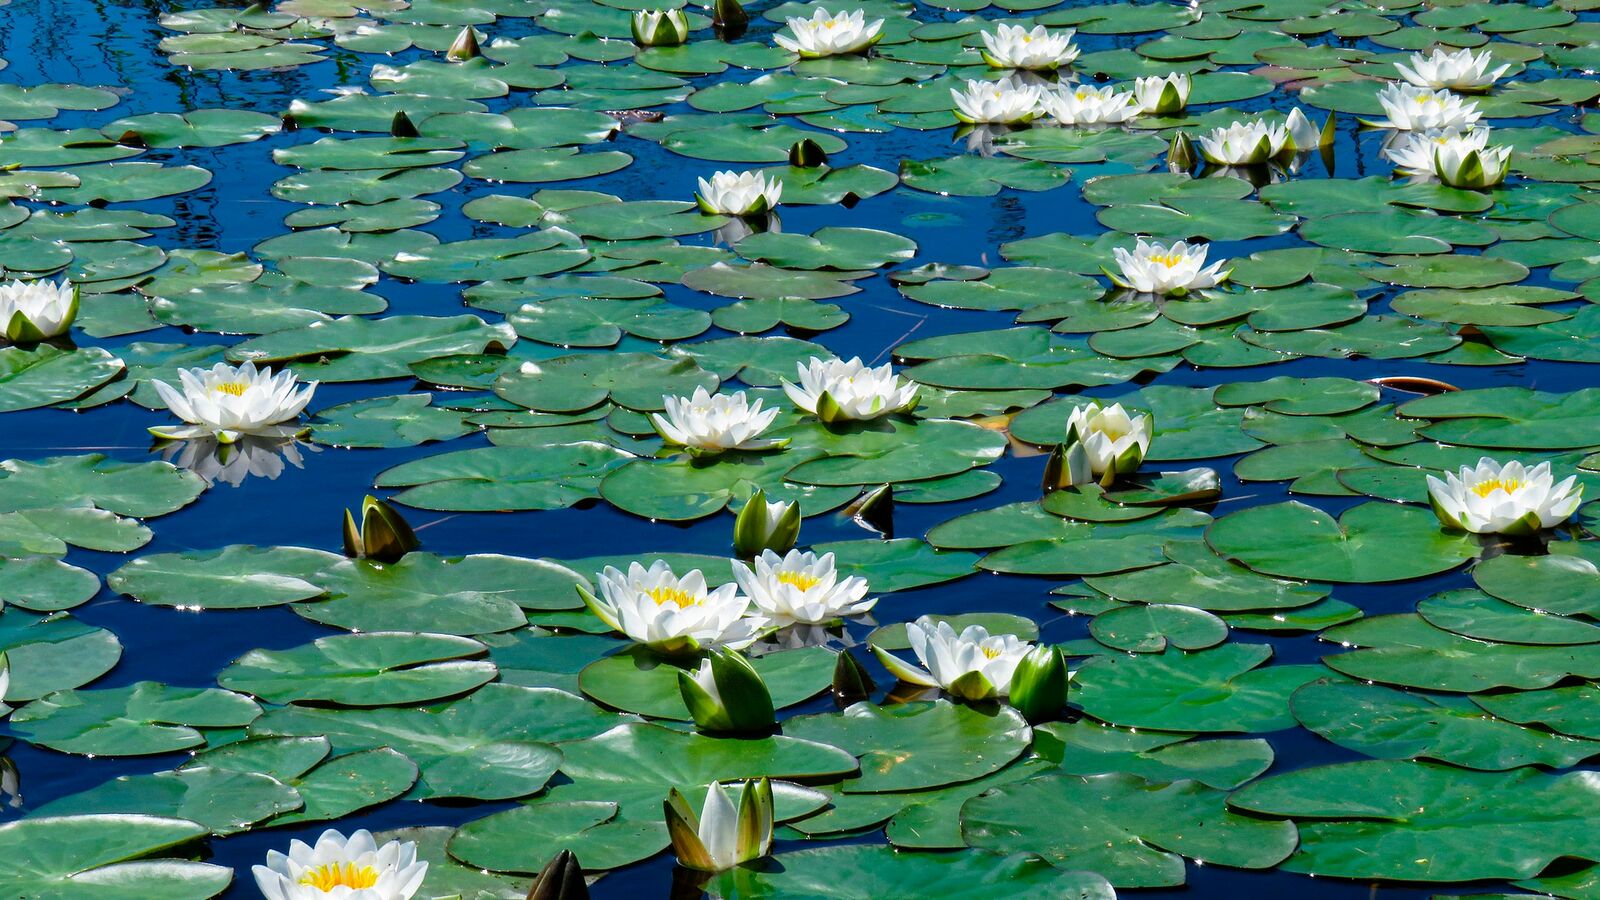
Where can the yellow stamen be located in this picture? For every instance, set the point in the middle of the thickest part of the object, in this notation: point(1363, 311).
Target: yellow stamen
point(236, 388)
point(328, 876)
point(1167, 259)
point(802, 580)
point(990, 652)
point(1489, 486)
point(676, 596)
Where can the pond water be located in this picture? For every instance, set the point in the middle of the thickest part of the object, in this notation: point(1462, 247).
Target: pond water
point(1440, 713)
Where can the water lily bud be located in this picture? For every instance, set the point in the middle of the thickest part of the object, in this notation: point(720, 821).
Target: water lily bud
point(1181, 155)
point(725, 833)
point(401, 126)
point(1039, 684)
point(875, 510)
point(766, 525)
point(465, 46)
point(807, 154)
point(560, 879)
point(729, 18)
point(5, 683)
point(660, 28)
point(727, 694)
point(1162, 96)
point(1067, 466)
point(850, 679)
point(382, 535)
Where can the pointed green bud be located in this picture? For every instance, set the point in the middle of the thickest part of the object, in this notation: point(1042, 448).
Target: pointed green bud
point(851, 682)
point(401, 126)
point(465, 46)
point(807, 154)
point(1181, 155)
point(754, 834)
point(727, 694)
point(766, 525)
point(729, 18)
point(1039, 684)
point(382, 535)
point(560, 879)
point(875, 510)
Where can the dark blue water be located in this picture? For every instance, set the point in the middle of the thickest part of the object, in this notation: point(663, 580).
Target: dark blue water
point(93, 42)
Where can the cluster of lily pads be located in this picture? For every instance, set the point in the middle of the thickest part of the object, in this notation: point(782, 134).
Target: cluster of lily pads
point(1127, 512)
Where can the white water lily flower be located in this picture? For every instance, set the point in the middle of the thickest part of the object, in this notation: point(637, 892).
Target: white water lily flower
point(1244, 143)
point(660, 27)
point(670, 614)
point(738, 194)
point(227, 403)
point(1412, 151)
point(830, 34)
point(1112, 440)
point(1154, 268)
point(708, 423)
point(1159, 95)
point(835, 390)
point(1463, 162)
point(1411, 108)
point(1002, 102)
point(1510, 499)
point(1303, 135)
point(1035, 49)
point(1088, 105)
point(729, 831)
point(37, 310)
point(1462, 71)
point(348, 869)
point(972, 665)
point(801, 588)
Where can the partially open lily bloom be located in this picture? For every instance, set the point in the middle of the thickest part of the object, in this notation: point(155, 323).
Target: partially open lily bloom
point(1411, 108)
point(713, 423)
point(972, 665)
point(1003, 102)
point(227, 403)
point(1088, 105)
point(834, 390)
point(1463, 162)
point(801, 588)
point(738, 194)
point(5, 684)
point(669, 614)
point(729, 831)
point(830, 34)
point(1244, 143)
point(1462, 71)
point(1163, 96)
point(660, 27)
point(1033, 49)
point(37, 310)
point(347, 869)
point(1112, 440)
point(764, 524)
point(1412, 151)
point(1154, 268)
point(1510, 499)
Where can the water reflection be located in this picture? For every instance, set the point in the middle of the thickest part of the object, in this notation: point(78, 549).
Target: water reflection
point(796, 636)
point(233, 464)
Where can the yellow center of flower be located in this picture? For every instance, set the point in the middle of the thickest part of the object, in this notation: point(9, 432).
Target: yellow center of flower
point(676, 596)
point(990, 652)
point(1111, 433)
point(1027, 39)
point(805, 581)
point(328, 876)
point(236, 388)
point(1489, 486)
point(829, 24)
point(1167, 259)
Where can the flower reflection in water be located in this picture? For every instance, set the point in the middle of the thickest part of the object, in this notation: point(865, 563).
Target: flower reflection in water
point(233, 464)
